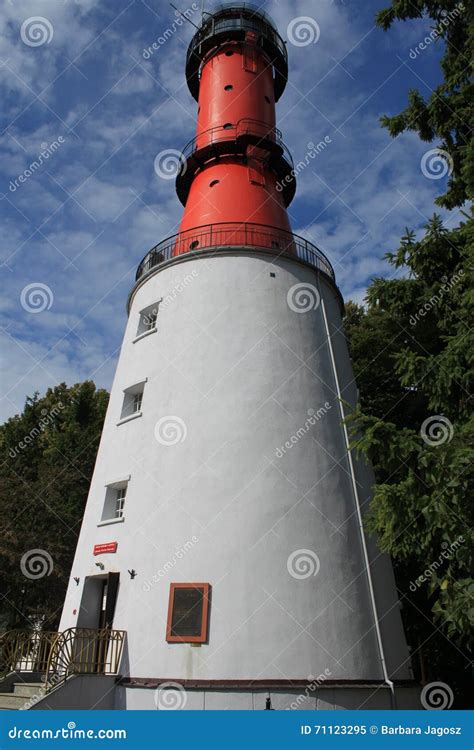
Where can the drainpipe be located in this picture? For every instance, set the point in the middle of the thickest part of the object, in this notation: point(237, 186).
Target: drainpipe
point(387, 679)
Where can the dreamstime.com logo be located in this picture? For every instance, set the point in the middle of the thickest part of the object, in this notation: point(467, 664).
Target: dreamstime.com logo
point(36, 563)
point(437, 696)
point(185, 15)
point(47, 418)
point(449, 550)
point(178, 555)
point(67, 733)
point(170, 696)
point(170, 163)
point(303, 563)
point(47, 150)
point(170, 430)
point(303, 31)
point(436, 164)
point(314, 149)
point(315, 682)
point(36, 31)
point(303, 298)
point(437, 430)
point(36, 297)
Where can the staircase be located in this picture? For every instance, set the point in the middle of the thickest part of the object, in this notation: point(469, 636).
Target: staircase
point(23, 695)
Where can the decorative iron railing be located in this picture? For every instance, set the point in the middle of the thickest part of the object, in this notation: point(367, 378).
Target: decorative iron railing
point(277, 241)
point(59, 655)
point(84, 651)
point(25, 651)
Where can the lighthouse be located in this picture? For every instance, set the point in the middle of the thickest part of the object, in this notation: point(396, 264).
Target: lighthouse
point(223, 561)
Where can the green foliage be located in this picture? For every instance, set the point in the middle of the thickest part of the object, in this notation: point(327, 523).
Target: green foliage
point(47, 456)
point(447, 115)
point(413, 353)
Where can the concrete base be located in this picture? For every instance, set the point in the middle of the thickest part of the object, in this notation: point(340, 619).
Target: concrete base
point(322, 699)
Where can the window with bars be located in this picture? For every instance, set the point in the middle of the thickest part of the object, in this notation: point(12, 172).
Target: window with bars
point(120, 502)
point(132, 401)
point(114, 503)
point(148, 319)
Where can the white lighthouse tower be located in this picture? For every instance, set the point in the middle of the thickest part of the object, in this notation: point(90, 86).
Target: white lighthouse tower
point(223, 544)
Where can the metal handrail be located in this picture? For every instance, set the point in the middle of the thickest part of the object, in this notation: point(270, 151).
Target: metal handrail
point(25, 651)
point(84, 651)
point(208, 236)
point(245, 126)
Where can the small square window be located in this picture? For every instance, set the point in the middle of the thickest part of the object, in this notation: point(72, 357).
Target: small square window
point(188, 612)
point(148, 318)
point(115, 496)
point(132, 400)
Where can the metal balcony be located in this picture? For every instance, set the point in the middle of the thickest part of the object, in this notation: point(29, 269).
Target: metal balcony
point(238, 235)
point(229, 23)
point(235, 140)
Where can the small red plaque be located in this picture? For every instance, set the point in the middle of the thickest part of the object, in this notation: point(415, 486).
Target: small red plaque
point(102, 549)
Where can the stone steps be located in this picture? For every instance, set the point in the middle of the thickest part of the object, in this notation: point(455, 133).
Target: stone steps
point(22, 693)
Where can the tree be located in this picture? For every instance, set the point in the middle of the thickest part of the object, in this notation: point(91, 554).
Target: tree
point(47, 458)
point(413, 354)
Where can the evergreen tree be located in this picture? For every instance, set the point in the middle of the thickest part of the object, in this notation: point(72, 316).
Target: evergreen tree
point(47, 456)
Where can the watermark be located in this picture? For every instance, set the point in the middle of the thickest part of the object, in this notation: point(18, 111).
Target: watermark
point(303, 563)
point(437, 696)
point(303, 31)
point(170, 696)
point(303, 298)
point(36, 297)
point(449, 550)
point(315, 682)
point(170, 31)
point(437, 32)
point(180, 553)
point(178, 289)
point(47, 418)
point(170, 431)
point(313, 418)
point(36, 563)
point(47, 150)
point(70, 732)
point(437, 430)
point(36, 31)
point(37, 697)
point(436, 164)
point(435, 300)
point(314, 149)
point(170, 163)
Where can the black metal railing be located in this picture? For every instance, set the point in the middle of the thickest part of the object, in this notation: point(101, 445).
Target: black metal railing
point(231, 23)
point(262, 132)
point(278, 241)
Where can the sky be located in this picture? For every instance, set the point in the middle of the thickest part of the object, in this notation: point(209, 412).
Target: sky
point(79, 85)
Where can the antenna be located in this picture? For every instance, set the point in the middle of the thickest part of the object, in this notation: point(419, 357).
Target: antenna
point(183, 16)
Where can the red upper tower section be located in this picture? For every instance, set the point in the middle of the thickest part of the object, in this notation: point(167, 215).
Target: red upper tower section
point(237, 176)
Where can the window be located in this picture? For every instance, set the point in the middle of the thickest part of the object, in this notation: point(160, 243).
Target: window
point(194, 245)
point(115, 496)
point(229, 53)
point(188, 613)
point(148, 318)
point(214, 183)
point(229, 87)
point(132, 401)
point(228, 126)
point(120, 502)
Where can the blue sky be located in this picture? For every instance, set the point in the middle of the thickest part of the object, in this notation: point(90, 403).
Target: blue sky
point(80, 224)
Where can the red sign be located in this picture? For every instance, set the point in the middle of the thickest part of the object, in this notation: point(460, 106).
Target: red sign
point(102, 549)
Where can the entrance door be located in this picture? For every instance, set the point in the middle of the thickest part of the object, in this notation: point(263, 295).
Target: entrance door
point(96, 615)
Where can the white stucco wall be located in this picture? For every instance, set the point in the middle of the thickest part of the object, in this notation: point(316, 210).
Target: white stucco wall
point(241, 370)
